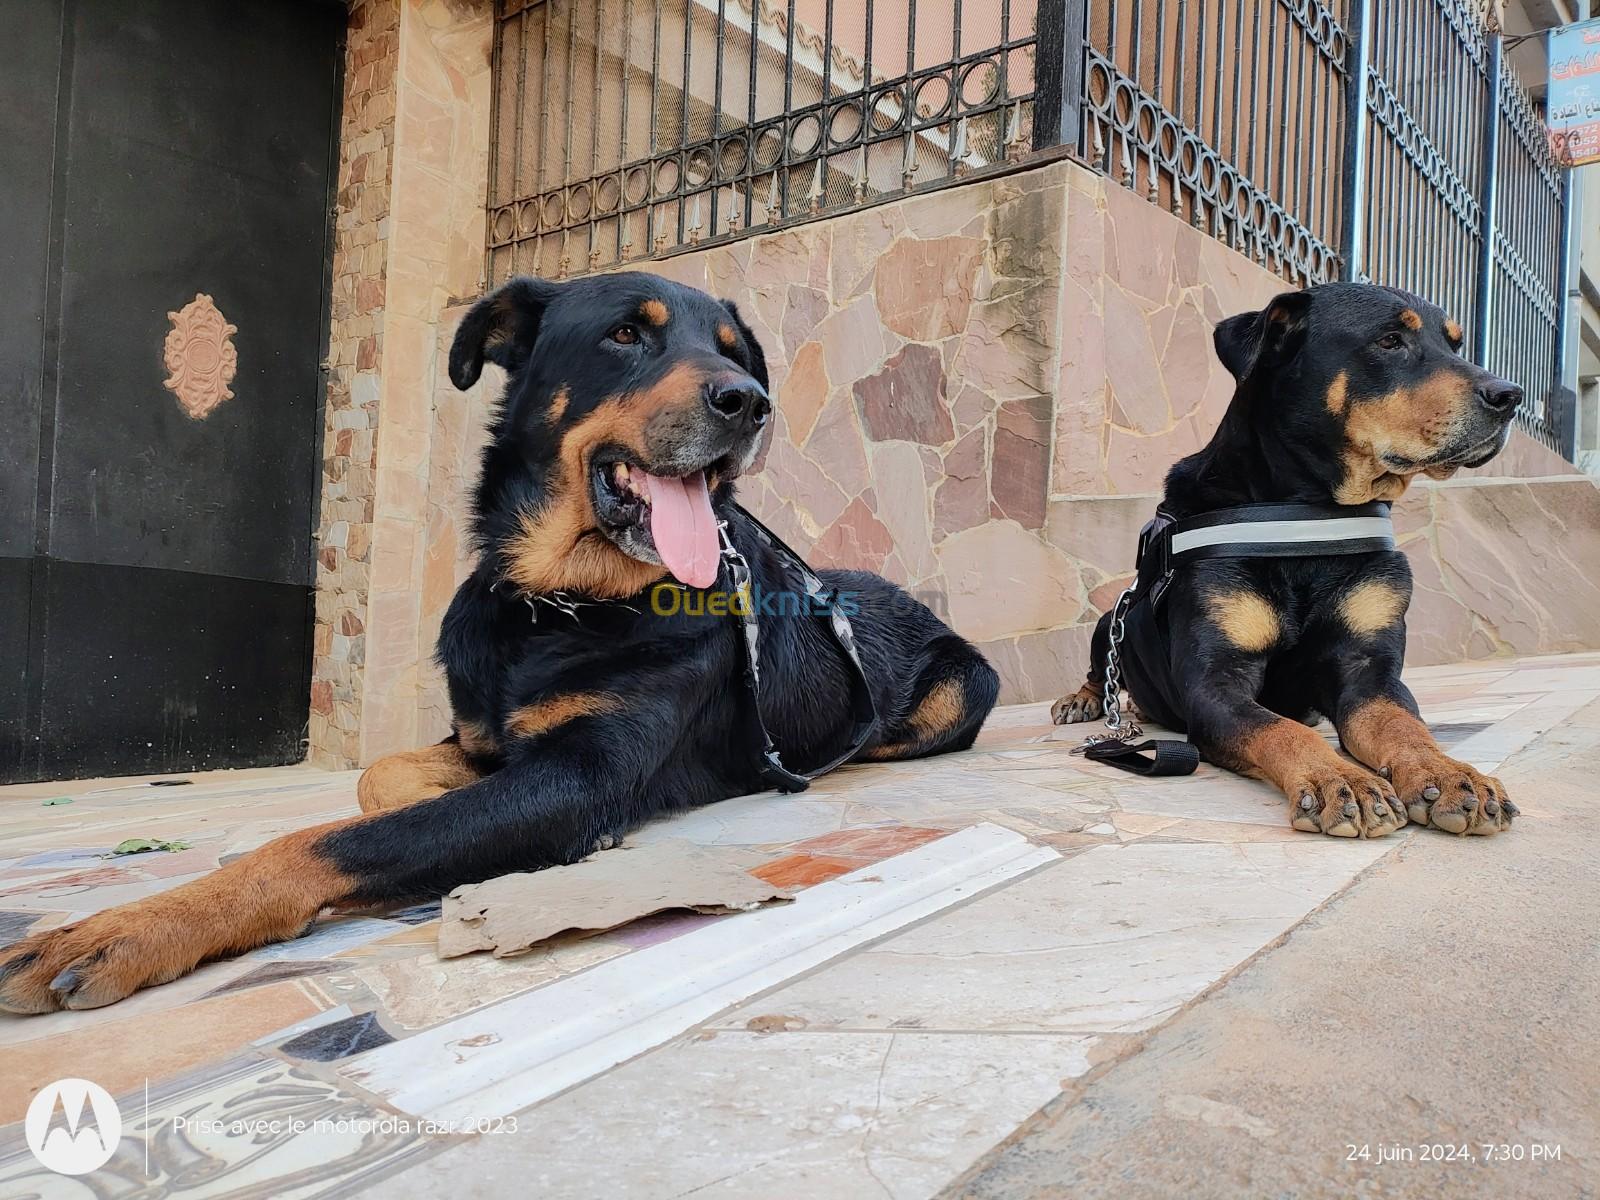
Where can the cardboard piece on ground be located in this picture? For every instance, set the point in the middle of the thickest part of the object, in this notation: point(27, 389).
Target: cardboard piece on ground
point(512, 914)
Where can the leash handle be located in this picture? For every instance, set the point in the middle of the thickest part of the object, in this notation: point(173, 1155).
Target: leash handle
point(1166, 756)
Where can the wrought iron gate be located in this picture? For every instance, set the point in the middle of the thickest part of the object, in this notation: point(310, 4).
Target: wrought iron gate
point(1455, 195)
point(1369, 139)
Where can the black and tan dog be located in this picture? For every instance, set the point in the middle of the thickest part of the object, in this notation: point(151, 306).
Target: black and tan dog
point(580, 709)
point(1345, 394)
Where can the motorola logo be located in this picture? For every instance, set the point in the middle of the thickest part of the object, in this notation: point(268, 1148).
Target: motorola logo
point(73, 1126)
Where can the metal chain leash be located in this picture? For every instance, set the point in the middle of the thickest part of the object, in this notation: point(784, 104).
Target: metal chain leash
point(1117, 729)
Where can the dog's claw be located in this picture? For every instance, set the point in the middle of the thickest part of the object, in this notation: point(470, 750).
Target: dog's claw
point(1348, 802)
point(1476, 804)
point(1085, 704)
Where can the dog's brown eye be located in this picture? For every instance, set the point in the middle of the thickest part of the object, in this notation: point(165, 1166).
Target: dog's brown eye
point(1391, 341)
point(624, 335)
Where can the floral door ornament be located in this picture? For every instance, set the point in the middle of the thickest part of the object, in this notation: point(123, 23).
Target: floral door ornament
point(200, 356)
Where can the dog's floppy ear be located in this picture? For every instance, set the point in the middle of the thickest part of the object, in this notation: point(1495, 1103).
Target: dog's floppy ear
point(1271, 335)
point(758, 364)
point(501, 327)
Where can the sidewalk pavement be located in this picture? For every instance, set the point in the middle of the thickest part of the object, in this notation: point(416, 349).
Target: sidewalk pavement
point(1166, 988)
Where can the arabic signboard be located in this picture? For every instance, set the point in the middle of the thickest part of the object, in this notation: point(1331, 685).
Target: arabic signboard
point(1572, 105)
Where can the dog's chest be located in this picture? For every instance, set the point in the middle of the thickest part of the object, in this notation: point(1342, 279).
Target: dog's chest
point(1290, 605)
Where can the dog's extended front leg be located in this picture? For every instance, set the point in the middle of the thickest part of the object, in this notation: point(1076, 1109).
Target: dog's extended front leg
point(1379, 723)
point(573, 784)
point(1327, 793)
point(267, 896)
point(1233, 633)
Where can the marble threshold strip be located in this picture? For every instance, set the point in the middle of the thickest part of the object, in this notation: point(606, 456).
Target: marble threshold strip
point(508, 1056)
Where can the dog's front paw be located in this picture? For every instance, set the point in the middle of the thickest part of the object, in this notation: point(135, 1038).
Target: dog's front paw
point(1085, 704)
point(95, 962)
point(1344, 800)
point(1451, 795)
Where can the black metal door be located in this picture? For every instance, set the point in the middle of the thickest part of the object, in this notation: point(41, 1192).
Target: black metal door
point(155, 534)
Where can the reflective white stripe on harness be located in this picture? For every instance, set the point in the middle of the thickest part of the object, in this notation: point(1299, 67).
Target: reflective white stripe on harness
point(1338, 529)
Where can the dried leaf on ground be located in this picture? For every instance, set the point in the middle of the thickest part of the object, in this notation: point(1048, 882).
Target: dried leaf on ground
point(147, 845)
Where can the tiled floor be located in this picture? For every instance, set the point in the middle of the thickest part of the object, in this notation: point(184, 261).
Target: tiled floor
point(972, 934)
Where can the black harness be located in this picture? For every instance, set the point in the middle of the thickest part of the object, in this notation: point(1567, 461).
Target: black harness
point(735, 573)
point(863, 709)
point(1141, 653)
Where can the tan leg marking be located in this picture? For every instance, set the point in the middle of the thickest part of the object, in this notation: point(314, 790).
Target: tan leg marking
point(541, 717)
point(938, 713)
point(476, 739)
point(1327, 793)
point(1436, 789)
point(398, 780)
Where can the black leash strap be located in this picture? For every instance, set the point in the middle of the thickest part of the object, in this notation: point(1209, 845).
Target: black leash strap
point(863, 710)
point(1153, 756)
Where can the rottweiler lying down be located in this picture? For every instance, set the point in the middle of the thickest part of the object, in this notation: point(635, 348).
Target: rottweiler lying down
point(586, 700)
point(1345, 394)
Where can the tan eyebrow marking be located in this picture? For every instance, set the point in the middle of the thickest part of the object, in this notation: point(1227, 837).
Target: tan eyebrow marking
point(1336, 393)
point(726, 338)
point(1452, 330)
point(1410, 319)
point(655, 311)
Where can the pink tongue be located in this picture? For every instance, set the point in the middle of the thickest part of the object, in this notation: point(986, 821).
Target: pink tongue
point(684, 529)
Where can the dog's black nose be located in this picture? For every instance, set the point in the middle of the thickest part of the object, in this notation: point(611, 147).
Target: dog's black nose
point(1499, 396)
point(742, 401)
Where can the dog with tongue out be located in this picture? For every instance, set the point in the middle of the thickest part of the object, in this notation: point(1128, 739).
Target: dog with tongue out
point(631, 406)
point(582, 705)
point(580, 709)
